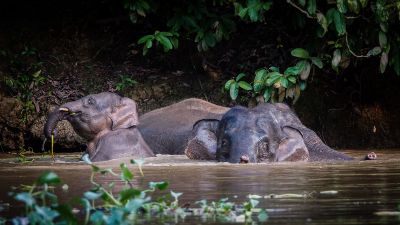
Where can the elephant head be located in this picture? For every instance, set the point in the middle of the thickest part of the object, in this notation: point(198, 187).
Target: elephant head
point(266, 133)
point(107, 121)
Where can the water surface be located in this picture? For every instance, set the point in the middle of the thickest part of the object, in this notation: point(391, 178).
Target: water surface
point(363, 187)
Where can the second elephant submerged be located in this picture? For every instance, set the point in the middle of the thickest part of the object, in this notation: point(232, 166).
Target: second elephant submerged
point(199, 129)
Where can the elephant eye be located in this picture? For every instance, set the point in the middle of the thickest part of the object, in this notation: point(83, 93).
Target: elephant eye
point(91, 101)
point(224, 143)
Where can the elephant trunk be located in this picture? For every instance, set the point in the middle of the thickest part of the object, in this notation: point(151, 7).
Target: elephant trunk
point(52, 119)
point(318, 150)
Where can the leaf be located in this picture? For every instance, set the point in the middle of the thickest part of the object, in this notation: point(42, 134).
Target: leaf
point(323, 22)
point(302, 2)
point(297, 92)
point(210, 39)
point(228, 84)
point(306, 71)
point(272, 78)
point(164, 41)
point(26, 198)
point(159, 185)
point(395, 60)
point(274, 69)
point(48, 178)
point(337, 56)
point(242, 12)
point(300, 53)
point(145, 39)
point(363, 3)
point(317, 61)
point(375, 51)
point(267, 94)
point(126, 174)
point(384, 62)
point(353, 6)
point(240, 76)
point(245, 86)
point(293, 70)
point(258, 82)
point(262, 216)
point(382, 39)
point(339, 21)
point(37, 73)
point(234, 91)
point(176, 195)
point(292, 79)
point(90, 195)
point(284, 82)
point(340, 4)
point(312, 6)
point(149, 43)
point(128, 194)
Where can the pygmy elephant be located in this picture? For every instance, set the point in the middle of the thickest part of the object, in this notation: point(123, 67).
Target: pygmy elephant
point(266, 133)
point(166, 130)
point(107, 121)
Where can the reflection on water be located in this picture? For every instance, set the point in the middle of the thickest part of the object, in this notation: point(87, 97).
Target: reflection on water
point(363, 187)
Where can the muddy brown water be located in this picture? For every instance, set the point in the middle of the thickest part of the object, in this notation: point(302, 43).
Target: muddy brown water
point(354, 191)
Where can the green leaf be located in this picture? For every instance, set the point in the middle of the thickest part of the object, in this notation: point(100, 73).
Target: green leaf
point(262, 216)
point(149, 44)
point(317, 61)
point(340, 23)
point(300, 53)
point(37, 73)
point(341, 6)
point(267, 94)
point(164, 41)
point(145, 39)
point(243, 12)
point(48, 178)
point(228, 84)
point(126, 174)
point(311, 6)
point(273, 69)
point(375, 51)
point(90, 195)
point(128, 194)
point(323, 22)
point(293, 70)
point(395, 59)
point(382, 40)
point(234, 91)
point(210, 39)
point(306, 70)
point(258, 83)
point(240, 76)
point(363, 3)
point(245, 86)
point(159, 185)
point(26, 198)
point(284, 82)
point(176, 195)
point(272, 78)
point(292, 79)
point(337, 56)
point(384, 61)
point(353, 6)
point(302, 2)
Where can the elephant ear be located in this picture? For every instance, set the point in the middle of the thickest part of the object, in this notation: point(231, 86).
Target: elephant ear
point(124, 115)
point(202, 144)
point(292, 147)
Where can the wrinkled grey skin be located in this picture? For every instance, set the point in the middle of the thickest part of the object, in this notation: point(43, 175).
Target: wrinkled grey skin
point(107, 121)
point(166, 130)
point(266, 133)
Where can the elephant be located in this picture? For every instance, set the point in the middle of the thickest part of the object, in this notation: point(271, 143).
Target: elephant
point(107, 121)
point(167, 130)
point(266, 133)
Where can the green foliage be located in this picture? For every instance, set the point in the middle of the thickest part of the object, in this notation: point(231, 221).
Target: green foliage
point(339, 33)
point(125, 82)
point(272, 85)
point(24, 78)
point(101, 204)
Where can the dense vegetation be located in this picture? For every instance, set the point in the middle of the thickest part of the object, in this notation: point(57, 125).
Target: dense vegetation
point(337, 34)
